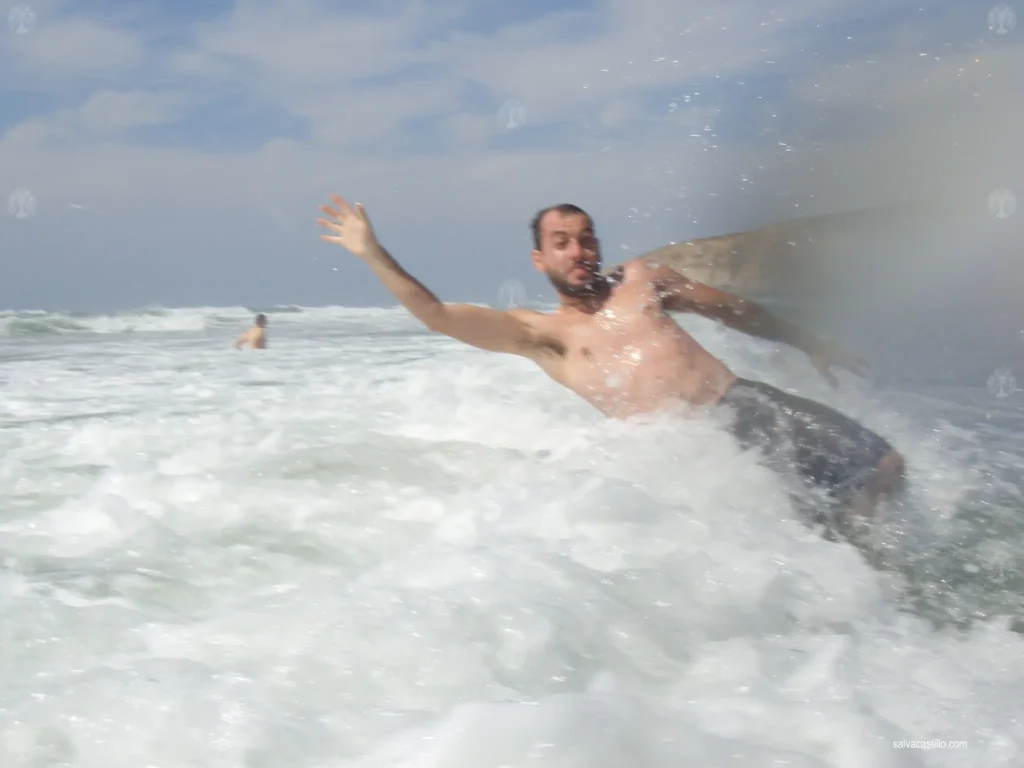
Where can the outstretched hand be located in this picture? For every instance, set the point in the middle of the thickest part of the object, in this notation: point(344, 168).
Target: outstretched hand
point(829, 355)
point(351, 226)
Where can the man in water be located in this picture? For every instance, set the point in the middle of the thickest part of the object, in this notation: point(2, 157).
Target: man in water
point(613, 343)
point(255, 337)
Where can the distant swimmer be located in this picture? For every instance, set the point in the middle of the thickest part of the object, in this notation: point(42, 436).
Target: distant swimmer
point(255, 337)
point(613, 343)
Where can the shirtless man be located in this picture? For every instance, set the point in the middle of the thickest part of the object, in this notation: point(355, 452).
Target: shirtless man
point(612, 343)
point(255, 337)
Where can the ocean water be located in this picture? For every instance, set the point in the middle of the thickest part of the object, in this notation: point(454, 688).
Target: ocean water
point(368, 546)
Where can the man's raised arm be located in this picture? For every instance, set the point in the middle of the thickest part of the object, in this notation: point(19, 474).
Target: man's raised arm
point(681, 294)
point(481, 327)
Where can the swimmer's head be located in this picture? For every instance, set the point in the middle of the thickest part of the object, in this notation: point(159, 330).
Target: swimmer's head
point(261, 320)
point(566, 249)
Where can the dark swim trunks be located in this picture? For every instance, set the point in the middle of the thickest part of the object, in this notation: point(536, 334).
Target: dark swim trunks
point(827, 449)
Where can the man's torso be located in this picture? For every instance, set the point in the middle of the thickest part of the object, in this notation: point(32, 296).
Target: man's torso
point(631, 356)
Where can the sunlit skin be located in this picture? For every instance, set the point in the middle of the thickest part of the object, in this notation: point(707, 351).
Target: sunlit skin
point(612, 340)
point(621, 352)
point(255, 337)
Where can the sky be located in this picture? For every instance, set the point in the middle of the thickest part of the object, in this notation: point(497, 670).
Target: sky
point(176, 153)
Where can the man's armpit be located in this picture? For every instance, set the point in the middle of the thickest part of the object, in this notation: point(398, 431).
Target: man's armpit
point(540, 342)
point(549, 346)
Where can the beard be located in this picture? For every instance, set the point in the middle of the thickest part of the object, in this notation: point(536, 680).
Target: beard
point(596, 284)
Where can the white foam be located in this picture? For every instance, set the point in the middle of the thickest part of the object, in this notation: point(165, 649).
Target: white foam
point(356, 550)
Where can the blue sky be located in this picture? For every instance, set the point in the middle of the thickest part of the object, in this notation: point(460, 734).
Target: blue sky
point(176, 152)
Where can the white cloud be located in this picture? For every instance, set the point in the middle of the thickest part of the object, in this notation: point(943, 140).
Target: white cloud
point(283, 47)
point(593, 74)
point(110, 111)
point(75, 46)
point(305, 53)
point(103, 114)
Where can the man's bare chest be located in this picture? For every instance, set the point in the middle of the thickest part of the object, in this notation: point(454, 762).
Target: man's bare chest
point(637, 341)
point(620, 326)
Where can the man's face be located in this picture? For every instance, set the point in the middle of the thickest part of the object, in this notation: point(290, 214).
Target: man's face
point(570, 254)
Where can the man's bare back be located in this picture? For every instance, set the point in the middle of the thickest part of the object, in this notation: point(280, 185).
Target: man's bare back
point(255, 337)
point(613, 342)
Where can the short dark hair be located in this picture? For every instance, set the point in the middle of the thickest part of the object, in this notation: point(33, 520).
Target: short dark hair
point(261, 319)
point(566, 209)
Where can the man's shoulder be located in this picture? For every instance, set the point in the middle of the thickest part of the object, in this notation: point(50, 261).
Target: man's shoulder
point(546, 330)
point(642, 270)
point(632, 270)
point(533, 317)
